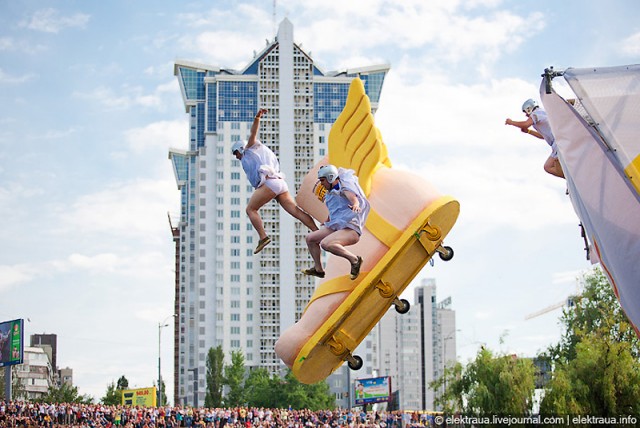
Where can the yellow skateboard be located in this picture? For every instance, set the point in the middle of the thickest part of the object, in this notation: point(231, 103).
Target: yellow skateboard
point(336, 339)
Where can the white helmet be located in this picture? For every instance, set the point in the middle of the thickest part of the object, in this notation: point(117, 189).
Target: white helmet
point(329, 172)
point(529, 106)
point(238, 146)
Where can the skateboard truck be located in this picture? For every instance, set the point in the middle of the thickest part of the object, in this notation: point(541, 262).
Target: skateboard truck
point(340, 350)
point(385, 289)
point(433, 232)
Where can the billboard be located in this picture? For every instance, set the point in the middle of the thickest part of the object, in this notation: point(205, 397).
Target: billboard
point(144, 397)
point(11, 342)
point(372, 390)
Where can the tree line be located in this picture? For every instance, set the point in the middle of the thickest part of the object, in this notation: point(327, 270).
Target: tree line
point(595, 368)
point(229, 385)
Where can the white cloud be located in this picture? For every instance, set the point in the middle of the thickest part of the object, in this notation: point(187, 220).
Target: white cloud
point(158, 135)
point(631, 45)
point(133, 96)
point(7, 78)
point(483, 315)
point(14, 275)
point(6, 44)
point(9, 44)
point(131, 211)
point(442, 33)
point(52, 21)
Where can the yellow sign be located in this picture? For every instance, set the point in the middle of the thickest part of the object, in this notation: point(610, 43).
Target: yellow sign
point(145, 397)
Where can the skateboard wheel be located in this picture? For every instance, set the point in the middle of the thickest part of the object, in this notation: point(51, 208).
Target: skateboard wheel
point(402, 306)
point(445, 253)
point(355, 362)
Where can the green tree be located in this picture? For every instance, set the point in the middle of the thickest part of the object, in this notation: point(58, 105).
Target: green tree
point(163, 395)
point(499, 385)
point(123, 383)
point(596, 310)
point(234, 375)
point(215, 377)
point(596, 367)
point(113, 395)
point(258, 388)
point(301, 396)
point(273, 391)
point(65, 393)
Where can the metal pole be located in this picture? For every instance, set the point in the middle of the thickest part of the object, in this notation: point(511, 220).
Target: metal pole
point(7, 383)
point(195, 387)
point(158, 393)
point(349, 386)
point(159, 390)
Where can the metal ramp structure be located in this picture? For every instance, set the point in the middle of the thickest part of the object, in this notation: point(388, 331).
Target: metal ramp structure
point(598, 140)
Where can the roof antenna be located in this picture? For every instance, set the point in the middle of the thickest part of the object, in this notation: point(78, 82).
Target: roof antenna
point(274, 17)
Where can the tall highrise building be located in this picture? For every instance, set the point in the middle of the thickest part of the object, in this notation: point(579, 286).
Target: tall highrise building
point(225, 295)
point(415, 347)
point(47, 339)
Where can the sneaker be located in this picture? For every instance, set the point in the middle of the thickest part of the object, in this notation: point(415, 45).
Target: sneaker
point(313, 272)
point(355, 268)
point(261, 244)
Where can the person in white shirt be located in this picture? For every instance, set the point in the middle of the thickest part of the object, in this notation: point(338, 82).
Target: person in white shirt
point(537, 118)
point(263, 171)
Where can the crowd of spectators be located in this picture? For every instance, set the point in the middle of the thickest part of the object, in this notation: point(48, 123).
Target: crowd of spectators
point(51, 415)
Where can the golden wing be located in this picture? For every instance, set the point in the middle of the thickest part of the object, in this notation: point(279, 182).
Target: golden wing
point(354, 141)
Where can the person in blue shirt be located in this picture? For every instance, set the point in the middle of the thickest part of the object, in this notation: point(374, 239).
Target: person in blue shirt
point(263, 171)
point(348, 210)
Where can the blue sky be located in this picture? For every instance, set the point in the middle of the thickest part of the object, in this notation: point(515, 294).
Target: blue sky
point(89, 107)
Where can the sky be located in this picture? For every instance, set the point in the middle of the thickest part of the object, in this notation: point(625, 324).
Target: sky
point(89, 108)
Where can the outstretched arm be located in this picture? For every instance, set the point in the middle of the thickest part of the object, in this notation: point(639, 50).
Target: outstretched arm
point(254, 128)
point(524, 126)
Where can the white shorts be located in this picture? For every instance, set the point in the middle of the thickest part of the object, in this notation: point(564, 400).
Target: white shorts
point(277, 185)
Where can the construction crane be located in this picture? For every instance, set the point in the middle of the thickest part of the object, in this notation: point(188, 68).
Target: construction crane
point(569, 302)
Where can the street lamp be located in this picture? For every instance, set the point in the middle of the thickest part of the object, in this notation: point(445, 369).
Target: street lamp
point(159, 391)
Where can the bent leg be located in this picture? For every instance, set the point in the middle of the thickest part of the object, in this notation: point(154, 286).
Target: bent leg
point(260, 196)
point(289, 204)
point(336, 242)
point(294, 338)
point(553, 167)
point(313, 243)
